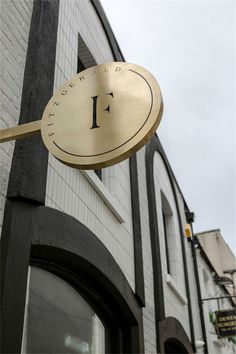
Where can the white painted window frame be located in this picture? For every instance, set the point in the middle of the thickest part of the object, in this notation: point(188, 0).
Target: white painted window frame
point(106, 196)
point(174, 287)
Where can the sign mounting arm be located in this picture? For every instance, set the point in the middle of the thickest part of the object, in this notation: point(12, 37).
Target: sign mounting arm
point(20, 131)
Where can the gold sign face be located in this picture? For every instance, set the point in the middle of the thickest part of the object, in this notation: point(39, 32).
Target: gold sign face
point(102, 115)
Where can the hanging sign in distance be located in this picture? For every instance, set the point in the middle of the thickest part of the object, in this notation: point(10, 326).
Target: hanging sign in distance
point(100, 117)
point(226, 323)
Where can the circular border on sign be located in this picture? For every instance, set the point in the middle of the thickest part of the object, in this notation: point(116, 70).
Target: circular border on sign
point(107, 152)
point(125, 149)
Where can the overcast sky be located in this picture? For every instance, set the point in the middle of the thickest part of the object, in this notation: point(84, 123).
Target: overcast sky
point(189, 46)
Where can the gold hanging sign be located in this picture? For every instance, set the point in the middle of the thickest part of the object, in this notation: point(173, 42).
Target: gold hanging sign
point(100, 117)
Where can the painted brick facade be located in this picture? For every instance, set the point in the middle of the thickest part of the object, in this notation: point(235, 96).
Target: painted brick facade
point(68, 189)
point(104, 207)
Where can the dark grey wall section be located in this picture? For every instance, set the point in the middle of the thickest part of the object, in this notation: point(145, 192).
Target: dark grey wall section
point(16, 243)
point(151, 148)
point(29, 165)
point(46, 234)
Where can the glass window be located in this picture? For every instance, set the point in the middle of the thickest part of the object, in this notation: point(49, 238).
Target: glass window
point(58, 319)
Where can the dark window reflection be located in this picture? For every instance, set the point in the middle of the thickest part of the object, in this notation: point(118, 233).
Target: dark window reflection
point(58, 319)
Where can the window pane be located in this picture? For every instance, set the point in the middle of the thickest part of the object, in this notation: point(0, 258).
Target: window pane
point(58, 319)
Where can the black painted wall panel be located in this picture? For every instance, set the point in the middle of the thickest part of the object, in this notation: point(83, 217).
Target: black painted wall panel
point(29, 165)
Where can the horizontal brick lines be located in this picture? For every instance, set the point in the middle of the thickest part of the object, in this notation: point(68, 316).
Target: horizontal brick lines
point(12, 90)
point(96, 25)
point(15, 8)
point(15, 36)
point(9, 115)
point(53, 196)
point(10, 103)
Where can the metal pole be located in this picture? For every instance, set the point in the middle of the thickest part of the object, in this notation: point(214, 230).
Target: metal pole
point(219, 297)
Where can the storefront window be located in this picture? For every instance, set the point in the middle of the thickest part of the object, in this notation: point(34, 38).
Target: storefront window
point(58, 319)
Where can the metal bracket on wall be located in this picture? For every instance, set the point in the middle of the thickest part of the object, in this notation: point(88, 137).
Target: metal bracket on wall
point(220, 297)
point(20, 131)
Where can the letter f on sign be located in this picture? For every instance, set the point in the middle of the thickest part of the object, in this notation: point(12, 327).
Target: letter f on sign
point(95, 101)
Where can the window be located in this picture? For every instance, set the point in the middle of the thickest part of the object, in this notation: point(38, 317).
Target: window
point(167, 218)
point(85, 61)
point(85, 58)
point(58, 319)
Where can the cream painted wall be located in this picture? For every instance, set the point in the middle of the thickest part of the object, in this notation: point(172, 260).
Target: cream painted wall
point(104, 208)
point(68, 189)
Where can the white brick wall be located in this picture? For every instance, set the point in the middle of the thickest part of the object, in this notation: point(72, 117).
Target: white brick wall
point(14, 32)
point(174, 289)
point(149, 309)
point(67, 188)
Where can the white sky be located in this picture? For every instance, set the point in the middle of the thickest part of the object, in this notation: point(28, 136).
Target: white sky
point(189, 46)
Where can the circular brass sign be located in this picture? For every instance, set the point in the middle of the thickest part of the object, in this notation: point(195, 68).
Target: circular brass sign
point(102, 115)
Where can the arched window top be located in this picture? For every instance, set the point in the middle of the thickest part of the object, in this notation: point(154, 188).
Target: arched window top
point(55, 241)
point(58, 319)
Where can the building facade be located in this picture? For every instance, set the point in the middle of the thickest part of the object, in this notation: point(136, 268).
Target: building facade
point(216, 269)
point(92, 261)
